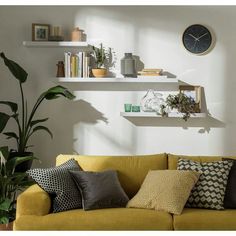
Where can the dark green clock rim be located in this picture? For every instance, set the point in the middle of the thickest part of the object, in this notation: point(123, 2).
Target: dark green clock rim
point(194, 25)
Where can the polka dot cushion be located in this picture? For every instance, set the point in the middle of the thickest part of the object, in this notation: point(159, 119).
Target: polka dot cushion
point(58, 183)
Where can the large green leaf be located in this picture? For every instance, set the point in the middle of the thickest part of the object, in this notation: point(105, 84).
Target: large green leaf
point(5, 204)
point(40, 127)
point(54, 93)
point(15, 69)
point(3, 120)
point(34, 122)
point(12, 105)
point(11, 135)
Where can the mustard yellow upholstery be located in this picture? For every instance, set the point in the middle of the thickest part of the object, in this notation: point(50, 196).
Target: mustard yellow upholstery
point(131, 170)
point(105, 219)
point(173, 159)
point(203, 219)
point(33, 201)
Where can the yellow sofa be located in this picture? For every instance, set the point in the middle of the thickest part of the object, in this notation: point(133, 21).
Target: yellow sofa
point(33, 205)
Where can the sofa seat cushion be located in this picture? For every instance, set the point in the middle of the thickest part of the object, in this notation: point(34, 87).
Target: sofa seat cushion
point(131, 170)
point(102, 219)
point(204, 219)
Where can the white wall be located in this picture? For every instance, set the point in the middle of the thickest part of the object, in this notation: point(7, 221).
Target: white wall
point(92, 124)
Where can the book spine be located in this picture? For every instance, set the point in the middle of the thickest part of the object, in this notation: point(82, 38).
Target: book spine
point(69, 64)
point(84, 65)
point(65, 64)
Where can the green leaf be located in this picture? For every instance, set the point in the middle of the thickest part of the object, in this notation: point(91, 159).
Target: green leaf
point(4, 219)
point(56, 91)
point(40, 127)
point(12, 105)
point(5, 204)
point(11, 135)
point(3, 120)
point(5, 152)
point(15, 69)
point(34, 122)
point(13, 162)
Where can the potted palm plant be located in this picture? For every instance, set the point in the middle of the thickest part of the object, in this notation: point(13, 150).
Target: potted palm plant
point(25, 120)
point(100, 56)
point(10, 183)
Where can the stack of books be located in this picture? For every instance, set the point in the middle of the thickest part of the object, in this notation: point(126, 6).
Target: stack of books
point(149, 72)
point(77, 65)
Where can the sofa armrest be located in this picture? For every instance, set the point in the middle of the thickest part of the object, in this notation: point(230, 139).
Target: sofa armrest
point(33, 201)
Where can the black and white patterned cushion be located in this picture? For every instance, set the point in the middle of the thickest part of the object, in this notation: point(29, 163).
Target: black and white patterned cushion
point(209, 191)
point(58, 183)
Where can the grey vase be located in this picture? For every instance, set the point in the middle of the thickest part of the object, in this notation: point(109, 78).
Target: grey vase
point(127, 65)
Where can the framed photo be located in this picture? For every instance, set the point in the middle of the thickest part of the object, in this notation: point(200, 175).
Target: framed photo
point(195, 93)
point(40, 32)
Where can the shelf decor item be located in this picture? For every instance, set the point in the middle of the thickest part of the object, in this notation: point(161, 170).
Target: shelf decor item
point(40, 32)
point(60, 69)
point(11, 182)
point(56, 34)
point(24, 118)
point(150, 72)
point(128, 107)
point(77, 35)
point(127, 65)
point(100, 56)
point(135, 108)
point(152, 101)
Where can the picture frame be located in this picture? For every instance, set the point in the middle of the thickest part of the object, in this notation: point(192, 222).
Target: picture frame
point(195, 93)
point(40, 32)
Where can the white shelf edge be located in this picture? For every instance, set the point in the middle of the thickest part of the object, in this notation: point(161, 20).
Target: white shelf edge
point(161, 79)
point(153, 114)
point(54, 44)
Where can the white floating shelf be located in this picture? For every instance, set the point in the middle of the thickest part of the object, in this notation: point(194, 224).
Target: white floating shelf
point(160, 79)
point(153, 114)
point(55, 44)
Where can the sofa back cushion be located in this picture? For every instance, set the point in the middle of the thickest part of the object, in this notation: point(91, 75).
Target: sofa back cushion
point(173, 159)
point(131, 170)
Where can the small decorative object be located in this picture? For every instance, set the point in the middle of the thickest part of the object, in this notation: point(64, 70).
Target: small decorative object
point(127, 64)
point(56, 34)
point(182, 103)
point(135, 108)
point(197, 39)
point(24, 117)
point(149, 72)
point(195, 93)
point(128, 107)
point(100, 56)
point(60, 69)
point(77, 34)
point(40, 32)
point(152, 101)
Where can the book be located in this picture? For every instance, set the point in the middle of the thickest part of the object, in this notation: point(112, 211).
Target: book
point(151, 76)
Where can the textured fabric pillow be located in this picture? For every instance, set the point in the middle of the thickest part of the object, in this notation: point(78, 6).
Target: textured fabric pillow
point(165, 190)
point(209, 191)
point(59, 184)
point(230, 192)
point(100, 189)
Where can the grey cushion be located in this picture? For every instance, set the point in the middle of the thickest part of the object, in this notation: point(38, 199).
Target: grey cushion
point(209, 191)
point(230, 193)
point(100, 189)
point(58, 183)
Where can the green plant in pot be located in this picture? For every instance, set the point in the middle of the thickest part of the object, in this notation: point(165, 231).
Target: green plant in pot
point(182, 103)
point(100, 56)
point(10, 183)
point(24, 118)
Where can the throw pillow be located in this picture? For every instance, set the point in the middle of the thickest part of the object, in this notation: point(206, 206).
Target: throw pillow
point(100, 189)
point(165, 190)
point(58, 183)
point(209, 191)
point(230, 192)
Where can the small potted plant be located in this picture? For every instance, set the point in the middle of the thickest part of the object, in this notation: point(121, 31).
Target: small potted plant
point(100, 56)
point(24, 118)
point(182, 103)
point(10, 183)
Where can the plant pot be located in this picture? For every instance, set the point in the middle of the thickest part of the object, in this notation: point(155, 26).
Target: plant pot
point(8, 226)
point(99, 73)
point(24, 166)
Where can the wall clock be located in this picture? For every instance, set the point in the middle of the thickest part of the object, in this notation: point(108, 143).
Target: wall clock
point(197, 39)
